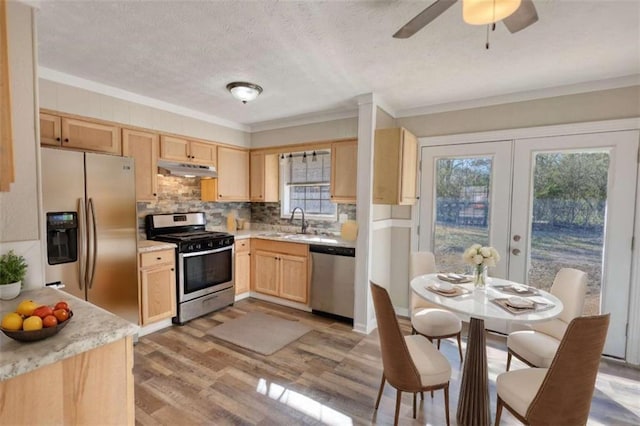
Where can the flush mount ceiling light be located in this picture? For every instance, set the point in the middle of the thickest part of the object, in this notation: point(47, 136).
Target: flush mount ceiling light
point(482, 12)
point(244, 91)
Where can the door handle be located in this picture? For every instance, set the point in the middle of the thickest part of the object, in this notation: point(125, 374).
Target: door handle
point(82, 253)
point(94, 242)
point(515, 252)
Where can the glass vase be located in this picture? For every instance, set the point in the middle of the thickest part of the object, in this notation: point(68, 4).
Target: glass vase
point(480, 277)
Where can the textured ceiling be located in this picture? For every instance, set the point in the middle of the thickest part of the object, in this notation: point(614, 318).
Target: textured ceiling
point(314, 56)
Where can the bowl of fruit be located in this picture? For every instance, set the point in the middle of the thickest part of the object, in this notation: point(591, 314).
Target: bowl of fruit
point(32, 321)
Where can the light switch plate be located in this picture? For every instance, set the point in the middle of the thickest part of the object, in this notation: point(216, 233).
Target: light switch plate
point(343, 217)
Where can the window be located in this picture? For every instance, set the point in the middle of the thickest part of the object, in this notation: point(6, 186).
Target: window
point(305, 184)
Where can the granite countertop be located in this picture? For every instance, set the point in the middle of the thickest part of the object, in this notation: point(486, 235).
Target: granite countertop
point(145, 246)
point(291, 237)
point(90, 328)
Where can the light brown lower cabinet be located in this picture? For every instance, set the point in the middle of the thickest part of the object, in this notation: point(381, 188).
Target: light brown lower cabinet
point(281, 269)
point(242, 270)
point(93, 387)
point(157, 286)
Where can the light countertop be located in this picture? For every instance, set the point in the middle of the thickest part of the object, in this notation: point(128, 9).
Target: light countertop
point(90, 328)
point(145, 246)
point(291, 237)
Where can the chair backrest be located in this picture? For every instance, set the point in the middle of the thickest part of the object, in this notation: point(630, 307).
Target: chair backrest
point(420, 263)
point(570, 286)
point(564, 398)
point(399, 369)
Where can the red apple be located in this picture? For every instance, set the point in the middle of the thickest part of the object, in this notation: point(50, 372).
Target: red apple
point(61, 314)
point(49, 321)
point(61, 305)
point(43, 311)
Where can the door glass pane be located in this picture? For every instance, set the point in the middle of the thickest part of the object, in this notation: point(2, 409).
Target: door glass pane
point(462, 213)
point(567, 226)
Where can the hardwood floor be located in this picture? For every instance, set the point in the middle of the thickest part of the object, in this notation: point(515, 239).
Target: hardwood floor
point(328, 376)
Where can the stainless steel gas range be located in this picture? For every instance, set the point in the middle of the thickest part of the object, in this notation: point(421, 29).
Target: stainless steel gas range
point(204, 262)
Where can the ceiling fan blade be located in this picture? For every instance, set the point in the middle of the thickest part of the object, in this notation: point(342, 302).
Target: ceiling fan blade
point(524, 16)
point(423, 18)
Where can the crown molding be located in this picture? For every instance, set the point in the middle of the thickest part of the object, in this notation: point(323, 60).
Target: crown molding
point(573, 89)
point(92, 86)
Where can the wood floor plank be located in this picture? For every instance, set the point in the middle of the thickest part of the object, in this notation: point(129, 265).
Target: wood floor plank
point(183, 376)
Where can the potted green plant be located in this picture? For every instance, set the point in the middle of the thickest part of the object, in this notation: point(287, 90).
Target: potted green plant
point(13, 268)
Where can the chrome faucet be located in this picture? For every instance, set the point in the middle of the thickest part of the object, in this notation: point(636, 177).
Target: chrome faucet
point(304, 222)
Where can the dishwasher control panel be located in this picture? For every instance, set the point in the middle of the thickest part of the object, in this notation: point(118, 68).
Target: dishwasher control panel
point(333, 250)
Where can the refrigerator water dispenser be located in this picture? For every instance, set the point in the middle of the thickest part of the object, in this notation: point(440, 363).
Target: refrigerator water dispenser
point(62, 237)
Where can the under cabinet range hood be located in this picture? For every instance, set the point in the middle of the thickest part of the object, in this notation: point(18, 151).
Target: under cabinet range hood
point(185, 169)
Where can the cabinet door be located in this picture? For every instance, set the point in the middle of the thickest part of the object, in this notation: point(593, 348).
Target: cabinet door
point(293, 278)
point(233, 174)
point(265, 272)
point(243, 272)
point(264, 175)
point(344, 163)
point(143, 148)
point(50, 130)
point(158, 293)
point(90, 136)
point(409, 168)
point(256, 175)
point(202, 153)
point(172, 148)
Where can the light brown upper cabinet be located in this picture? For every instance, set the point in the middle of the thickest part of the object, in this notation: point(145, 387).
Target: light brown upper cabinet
point(84, 135)
point(143, 148)
point(188, 151)
point(232, 183)
point(344, 173)
point(264, 172)
point(395, 166)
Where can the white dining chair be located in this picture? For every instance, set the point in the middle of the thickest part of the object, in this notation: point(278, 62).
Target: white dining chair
point(562, 393)
point(538, 346)
point(427, 319)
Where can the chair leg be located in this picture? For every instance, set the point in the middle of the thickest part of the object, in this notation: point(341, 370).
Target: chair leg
point(439, 344)
point(431, 394)
point(398, 398)
point(446, 403)
point(421, 396)
point(459, 346)
point(508, 360)
point(498, 411)
point(380, 391)
point(414, 405)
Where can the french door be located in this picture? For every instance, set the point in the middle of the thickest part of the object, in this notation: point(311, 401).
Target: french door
point(544, 204)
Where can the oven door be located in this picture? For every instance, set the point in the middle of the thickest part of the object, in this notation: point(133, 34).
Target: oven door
point(204, 272)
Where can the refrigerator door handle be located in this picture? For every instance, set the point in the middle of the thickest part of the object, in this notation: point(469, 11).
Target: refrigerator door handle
point(94, 242)
point(82, 250)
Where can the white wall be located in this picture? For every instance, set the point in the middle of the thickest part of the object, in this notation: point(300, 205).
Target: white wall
point(328, 130)
point(74, 100)
point(19, 208)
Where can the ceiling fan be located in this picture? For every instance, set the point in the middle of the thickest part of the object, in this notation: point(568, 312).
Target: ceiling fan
point(516, 14)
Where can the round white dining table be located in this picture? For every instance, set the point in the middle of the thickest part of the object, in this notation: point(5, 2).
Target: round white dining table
point(478, 305)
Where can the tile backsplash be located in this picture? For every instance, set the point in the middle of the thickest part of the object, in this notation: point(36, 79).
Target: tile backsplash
point(180, 195)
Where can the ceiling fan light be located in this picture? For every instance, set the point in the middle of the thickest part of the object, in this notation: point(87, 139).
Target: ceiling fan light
point(483, 12)
point(244, 91)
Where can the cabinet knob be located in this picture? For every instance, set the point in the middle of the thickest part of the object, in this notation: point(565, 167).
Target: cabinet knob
point(58, 139)
point(154, 194)
point(172, 269)
point(66, 139)
point(158, 258)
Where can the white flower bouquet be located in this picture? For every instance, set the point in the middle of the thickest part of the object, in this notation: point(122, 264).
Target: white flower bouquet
point(481, 257)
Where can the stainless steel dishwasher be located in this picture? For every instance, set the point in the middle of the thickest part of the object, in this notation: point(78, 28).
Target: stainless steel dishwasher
point(332, 280)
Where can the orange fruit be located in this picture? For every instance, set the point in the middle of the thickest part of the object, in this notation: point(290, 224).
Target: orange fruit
point(32, 323)
point(26, 308)
point(12, 321)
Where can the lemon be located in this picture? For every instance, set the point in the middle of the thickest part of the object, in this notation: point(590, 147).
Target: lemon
point(26, 308)
point(12, 321)
point(32, 323)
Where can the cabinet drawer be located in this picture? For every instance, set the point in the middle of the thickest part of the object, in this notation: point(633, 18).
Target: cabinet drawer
point(242, 245)
point(154, 258)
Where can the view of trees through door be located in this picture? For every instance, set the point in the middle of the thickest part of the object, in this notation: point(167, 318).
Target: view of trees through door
point(568, 218)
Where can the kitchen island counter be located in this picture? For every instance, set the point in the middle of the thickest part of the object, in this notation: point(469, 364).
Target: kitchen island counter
point(90, 328)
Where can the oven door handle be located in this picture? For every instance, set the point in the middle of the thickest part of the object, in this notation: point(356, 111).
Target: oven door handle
point(202, 253)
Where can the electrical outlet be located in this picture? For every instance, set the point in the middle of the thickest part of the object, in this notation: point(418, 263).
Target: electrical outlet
point(343, 217)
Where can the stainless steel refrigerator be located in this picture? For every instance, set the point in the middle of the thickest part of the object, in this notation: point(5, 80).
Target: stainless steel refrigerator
point(91, 226)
